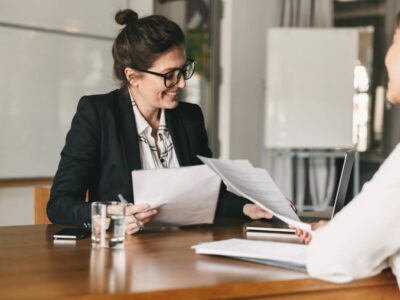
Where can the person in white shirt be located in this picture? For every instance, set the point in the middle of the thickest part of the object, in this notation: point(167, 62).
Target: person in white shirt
point(364, 238)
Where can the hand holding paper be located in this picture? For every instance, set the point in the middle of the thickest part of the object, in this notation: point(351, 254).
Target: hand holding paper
point(257, 186)
point(255, 212)
point(184, 196)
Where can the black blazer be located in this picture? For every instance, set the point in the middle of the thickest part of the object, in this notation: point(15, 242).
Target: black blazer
point(102, 149)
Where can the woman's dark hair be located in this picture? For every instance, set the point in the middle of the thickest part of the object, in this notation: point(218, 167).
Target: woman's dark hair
point(142, 41)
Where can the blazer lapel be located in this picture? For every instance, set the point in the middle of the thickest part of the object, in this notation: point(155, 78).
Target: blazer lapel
point(129, 136)
point(179, 139)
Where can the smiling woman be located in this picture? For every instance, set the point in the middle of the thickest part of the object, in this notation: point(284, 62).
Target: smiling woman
point(142, 125)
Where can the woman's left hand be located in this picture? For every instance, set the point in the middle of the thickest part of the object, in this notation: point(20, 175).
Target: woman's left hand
point(255, 212)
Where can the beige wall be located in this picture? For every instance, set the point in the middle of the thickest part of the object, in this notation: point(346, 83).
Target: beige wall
point(243, 44)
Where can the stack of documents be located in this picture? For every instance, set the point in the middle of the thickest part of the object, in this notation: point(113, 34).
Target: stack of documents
point(288, 255)
point(256, 185)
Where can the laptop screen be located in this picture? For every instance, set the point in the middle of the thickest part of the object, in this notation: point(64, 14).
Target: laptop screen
point(344, 181)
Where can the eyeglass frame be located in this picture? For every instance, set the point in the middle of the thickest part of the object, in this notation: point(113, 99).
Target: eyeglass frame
point(189, 61)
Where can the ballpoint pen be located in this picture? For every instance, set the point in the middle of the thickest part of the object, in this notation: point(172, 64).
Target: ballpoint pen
point(122, 199)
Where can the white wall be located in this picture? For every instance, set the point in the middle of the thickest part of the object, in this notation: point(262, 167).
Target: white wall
point(142, 7)
point(243, 44)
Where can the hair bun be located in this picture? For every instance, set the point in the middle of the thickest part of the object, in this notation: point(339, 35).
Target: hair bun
point(126, 16)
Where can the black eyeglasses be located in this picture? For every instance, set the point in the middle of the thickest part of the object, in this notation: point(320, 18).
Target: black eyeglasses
point(172, 78)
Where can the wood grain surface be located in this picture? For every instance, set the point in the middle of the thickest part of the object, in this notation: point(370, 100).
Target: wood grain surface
point(157, 264)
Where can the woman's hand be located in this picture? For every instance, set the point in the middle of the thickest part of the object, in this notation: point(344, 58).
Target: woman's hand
point(304, 236)
point(137, 216)
point(255, 212)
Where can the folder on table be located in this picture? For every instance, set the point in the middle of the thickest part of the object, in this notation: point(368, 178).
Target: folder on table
point(287, 255)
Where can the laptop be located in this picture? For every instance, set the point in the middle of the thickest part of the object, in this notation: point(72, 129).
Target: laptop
point(276, 225)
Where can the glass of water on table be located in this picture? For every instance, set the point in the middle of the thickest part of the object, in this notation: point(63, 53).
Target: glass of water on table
point(108, 224)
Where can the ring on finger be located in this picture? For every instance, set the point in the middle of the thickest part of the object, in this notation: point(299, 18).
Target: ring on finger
point(138, 224)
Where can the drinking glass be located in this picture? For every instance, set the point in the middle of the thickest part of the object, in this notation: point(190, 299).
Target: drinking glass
point(108, 224)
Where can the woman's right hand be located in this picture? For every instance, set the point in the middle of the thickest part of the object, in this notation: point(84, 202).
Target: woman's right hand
point(137, 215)
point(304, 236)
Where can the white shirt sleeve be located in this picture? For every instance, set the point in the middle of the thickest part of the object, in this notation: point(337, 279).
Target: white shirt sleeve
point(364, 238)
point(394, 262)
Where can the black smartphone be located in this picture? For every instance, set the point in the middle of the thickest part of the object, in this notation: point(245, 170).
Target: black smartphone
point(71, 233)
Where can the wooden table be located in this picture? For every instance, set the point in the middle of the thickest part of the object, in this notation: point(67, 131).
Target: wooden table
point(156, 265)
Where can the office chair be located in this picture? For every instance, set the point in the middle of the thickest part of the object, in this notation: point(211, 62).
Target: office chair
point(41, 196)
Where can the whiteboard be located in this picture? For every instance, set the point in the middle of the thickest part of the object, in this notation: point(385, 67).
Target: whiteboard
point(42, 77)
point(52, 53)
point(309, 96)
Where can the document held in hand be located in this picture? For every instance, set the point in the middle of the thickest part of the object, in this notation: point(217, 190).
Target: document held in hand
point(184, 196)
point(286, 255)
point(256, 185)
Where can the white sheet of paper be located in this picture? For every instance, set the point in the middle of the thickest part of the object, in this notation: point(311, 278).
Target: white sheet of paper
point(257, 186)
point(262, 250)
point(185, 196)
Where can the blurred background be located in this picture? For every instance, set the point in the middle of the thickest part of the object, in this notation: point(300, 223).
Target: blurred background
point(288, 84)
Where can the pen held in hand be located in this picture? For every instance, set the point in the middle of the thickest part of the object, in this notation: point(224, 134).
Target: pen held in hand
point(122, 199)
point(136, 221)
